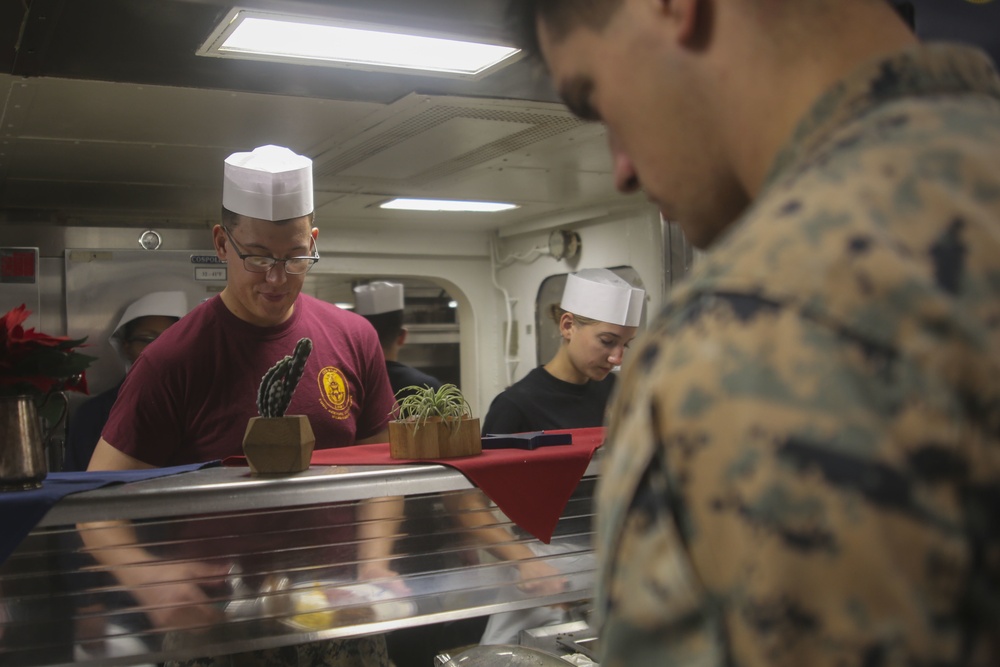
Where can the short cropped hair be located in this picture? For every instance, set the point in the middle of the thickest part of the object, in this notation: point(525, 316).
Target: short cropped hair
point(387, 325)
point(560, 16)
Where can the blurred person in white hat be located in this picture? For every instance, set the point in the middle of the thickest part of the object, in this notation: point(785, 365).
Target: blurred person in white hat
point(142, 323)
point(597, 318)
point(203, 380)
point(382, 304)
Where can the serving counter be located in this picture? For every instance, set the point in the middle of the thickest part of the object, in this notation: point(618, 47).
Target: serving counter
point(280, 561)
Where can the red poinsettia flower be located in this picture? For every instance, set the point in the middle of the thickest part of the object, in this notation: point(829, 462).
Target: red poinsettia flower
point(35, 363)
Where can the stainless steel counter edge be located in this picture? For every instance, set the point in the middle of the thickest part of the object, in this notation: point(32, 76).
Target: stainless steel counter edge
point(225, 489)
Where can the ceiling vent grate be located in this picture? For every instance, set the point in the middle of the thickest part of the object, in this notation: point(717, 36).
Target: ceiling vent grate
point(436, 138)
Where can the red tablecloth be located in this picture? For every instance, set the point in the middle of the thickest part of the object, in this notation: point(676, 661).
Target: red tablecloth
point(530, 486)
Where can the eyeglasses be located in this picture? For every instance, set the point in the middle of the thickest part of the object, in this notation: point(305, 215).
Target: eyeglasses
point(263, 263)
point(143, 339)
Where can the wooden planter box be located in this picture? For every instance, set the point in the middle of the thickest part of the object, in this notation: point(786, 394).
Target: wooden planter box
point(278, 445)
point(435, 439)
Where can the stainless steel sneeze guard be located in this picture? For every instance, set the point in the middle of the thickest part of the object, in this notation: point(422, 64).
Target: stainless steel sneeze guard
point(290, 546)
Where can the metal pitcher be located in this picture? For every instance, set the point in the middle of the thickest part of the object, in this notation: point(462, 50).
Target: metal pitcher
point(22, 447)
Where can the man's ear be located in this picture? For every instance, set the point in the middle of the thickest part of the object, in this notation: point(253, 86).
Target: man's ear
point(401, 338)
point(686, 16)
point(219, 242)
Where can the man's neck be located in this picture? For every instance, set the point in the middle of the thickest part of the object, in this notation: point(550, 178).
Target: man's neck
point(767, 88)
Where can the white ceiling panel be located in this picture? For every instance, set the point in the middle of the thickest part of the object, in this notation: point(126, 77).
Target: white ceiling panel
point(441, 143)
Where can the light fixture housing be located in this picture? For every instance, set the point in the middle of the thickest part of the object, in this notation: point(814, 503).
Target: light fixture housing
point(564, 244)
point(256, 35)
point(448, 205)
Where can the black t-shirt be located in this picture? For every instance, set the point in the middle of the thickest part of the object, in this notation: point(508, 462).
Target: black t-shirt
point(541, 402)
point(401, 375)
point(84, 430)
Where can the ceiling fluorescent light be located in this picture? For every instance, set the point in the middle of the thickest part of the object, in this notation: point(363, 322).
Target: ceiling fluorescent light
point(268, 36)
point(447, 205)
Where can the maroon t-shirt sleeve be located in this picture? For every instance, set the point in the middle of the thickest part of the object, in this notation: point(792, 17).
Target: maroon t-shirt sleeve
point(144, 422)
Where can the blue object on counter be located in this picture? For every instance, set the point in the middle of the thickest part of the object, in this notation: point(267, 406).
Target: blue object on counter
point(20, 511)
point(530, 440)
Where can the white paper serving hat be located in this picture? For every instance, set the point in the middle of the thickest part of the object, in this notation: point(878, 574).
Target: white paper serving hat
point(378, 297)
point(167, 304)
point(268, 183)
point(602, 295)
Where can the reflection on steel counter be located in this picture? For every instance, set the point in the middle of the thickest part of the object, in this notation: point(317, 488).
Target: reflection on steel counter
point(296, 580)
point(577, 639)
point(500, 655)
point(314, 605)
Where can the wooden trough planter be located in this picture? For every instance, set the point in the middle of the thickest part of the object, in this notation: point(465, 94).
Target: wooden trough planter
point(433, 424)
point(434, 439)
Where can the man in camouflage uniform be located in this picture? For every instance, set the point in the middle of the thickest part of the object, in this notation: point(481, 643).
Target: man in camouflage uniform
point(804, 454)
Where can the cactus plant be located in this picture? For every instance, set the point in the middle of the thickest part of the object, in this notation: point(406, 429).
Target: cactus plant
point(417, 404)
point(279, 382)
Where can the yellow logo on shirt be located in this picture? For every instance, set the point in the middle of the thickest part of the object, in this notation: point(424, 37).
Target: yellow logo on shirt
point(334, 393)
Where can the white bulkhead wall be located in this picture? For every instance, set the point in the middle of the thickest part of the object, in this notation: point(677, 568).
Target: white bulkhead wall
point(460, 263)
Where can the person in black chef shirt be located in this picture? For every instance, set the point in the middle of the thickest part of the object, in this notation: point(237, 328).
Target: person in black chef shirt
point(381, 303)
point(598, 317)
point(142, 323)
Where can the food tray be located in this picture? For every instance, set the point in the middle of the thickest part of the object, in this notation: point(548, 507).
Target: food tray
point(323, 605)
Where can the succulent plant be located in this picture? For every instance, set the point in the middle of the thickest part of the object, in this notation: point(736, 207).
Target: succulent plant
point(279, 382)
point(418, 404)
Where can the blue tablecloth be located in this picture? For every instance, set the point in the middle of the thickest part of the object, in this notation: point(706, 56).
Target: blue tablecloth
point(20, 511)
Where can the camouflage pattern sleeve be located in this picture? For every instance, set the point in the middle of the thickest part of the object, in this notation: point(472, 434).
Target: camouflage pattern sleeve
point(803, 462)
point(758, 508)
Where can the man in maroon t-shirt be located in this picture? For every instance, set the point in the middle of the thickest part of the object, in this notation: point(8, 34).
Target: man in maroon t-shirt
point(194, 389)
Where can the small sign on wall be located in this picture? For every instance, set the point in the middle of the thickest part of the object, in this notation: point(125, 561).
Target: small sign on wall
point(19, 266)
point(213, 274)
point(19, 282)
